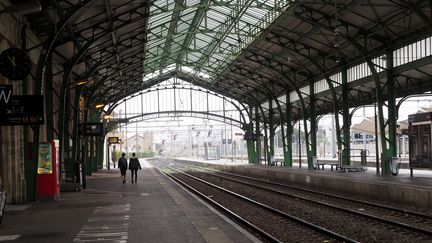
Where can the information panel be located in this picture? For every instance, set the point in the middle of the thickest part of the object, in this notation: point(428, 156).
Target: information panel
point(92, 129)
point(22, 110)
point(113, 140)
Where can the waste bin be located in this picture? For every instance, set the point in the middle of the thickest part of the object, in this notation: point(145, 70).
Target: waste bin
point(315, 162)
point(2, 203)
point(394, 165)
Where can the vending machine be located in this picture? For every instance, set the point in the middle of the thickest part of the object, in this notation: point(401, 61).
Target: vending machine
point(48, 187)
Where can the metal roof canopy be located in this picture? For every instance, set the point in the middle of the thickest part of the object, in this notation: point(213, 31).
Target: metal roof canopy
point(249, 50)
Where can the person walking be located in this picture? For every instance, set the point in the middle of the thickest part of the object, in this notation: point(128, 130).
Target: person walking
point(122, 165)
point(134, 165)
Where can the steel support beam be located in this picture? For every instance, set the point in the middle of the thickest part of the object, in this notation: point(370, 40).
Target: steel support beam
point(324, 72)
point(346, 158)
point(257, 132)
point(392, 115)
point(289, 125)
point(249, 128)
point(198, 17)
point(313, 125)
point(49, 100)
point(75, 125)
point(30, 162)
point(92, 153)
point(271, 127)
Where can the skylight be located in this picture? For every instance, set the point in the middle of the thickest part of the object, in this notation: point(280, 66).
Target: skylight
point(204, 36)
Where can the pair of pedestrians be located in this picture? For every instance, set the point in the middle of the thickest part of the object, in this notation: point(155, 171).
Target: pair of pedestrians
point(134, 165)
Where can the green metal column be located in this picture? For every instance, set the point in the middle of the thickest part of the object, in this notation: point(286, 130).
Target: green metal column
point(283, 134)
point(86, 144)
point(49, 100)
point(29, 159)
point(76, 140)
point(252, 157)
point(270, 150)
point(288, 155)
point(306, 132)
point(265, 142)
point(313, 126)
point(392, 116)
point(283, 124)
point(93, 153)
point(346, 158)
point(336, 113)
point(68, 161)
point(87, 149)
point(97, 156)
point(257, 132)
point(101, 154)
point(250, 144)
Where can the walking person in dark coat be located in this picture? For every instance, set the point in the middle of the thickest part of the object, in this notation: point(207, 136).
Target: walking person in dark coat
point(134, 165)
point(122, 165)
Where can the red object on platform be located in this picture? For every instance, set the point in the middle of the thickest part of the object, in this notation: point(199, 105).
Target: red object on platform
point(48, 187)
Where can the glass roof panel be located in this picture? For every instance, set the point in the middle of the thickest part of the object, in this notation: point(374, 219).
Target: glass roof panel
point(204, 35)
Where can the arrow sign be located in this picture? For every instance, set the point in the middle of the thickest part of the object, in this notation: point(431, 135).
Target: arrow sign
point(5, 94)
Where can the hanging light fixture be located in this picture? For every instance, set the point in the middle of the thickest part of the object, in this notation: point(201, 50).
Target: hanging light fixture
point(100, 105)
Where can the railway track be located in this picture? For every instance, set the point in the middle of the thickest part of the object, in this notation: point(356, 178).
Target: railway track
point(415, 225)
point(272, 224)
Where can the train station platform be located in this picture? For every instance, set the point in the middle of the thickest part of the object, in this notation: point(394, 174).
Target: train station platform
point(402, 189)
point(153, 210)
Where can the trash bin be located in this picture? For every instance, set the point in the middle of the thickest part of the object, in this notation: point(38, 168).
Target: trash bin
point(394, 165)
point(315, 162)
point(2, 203)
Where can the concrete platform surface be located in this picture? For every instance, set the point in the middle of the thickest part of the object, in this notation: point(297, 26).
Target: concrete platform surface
point(153, 210)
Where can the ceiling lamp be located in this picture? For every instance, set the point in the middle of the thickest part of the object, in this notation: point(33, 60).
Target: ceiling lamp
point(98, 106)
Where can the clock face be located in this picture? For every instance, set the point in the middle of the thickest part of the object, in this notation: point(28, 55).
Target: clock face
point(14, 64)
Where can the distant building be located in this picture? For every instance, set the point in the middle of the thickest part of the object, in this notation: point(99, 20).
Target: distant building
point(138, 143)
point(148, 144)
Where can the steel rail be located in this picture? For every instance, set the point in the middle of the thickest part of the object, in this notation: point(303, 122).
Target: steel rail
point(398, 224)
point(224, 209)
point(405, 211)
point(317, 228)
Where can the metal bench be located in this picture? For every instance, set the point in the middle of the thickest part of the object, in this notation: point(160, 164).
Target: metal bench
point(326, 162)
point(350, 168)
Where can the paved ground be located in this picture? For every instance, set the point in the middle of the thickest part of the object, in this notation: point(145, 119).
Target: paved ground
point(152, 210)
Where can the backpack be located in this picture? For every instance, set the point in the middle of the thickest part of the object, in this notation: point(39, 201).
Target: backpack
point(122, 163)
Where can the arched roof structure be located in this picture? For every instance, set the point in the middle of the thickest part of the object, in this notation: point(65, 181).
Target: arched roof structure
point(248, 50)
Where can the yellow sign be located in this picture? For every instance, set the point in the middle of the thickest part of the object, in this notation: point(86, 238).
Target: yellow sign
point(45, 159)
point(113, 140)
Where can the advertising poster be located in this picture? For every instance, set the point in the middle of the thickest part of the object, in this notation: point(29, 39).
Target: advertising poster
point(45, 159)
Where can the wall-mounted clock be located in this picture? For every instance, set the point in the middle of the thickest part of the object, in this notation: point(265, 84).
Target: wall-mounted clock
point(14, 64)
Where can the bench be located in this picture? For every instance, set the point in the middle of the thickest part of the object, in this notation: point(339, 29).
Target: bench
point(277, 163)
point(324, 162)
point(350, 168)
